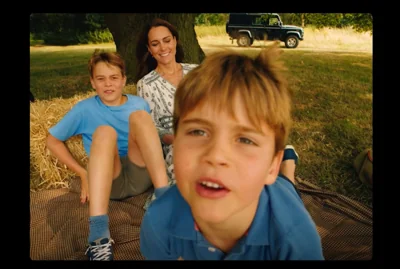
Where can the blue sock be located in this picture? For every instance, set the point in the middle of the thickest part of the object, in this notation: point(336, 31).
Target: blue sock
point(98, 227)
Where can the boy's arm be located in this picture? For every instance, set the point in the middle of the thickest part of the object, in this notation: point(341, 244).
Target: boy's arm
point(61, 152)
point(70, 125)
point(152, 246)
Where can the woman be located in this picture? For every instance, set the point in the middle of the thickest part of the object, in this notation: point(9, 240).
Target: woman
point(161, 68)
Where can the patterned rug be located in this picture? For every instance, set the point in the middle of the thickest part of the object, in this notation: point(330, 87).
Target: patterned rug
point(59, 224)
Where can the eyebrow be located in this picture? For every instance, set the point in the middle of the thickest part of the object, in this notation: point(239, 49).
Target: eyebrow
point(198, 121)
point(99, 76)
point(156, 40)
point(239, 128)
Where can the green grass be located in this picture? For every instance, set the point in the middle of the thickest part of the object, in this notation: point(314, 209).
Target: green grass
point(59, 73)
point(332, 108)
point(333, 117)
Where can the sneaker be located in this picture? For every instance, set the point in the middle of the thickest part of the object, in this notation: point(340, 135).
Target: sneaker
point(100, 250)
point(290, 154)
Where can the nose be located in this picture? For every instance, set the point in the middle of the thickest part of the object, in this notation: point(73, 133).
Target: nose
point(217, 153)
point(108, 82)
point(162, 46)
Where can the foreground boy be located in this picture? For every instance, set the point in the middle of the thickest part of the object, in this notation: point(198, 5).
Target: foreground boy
point(121, 140)
point(232, 118)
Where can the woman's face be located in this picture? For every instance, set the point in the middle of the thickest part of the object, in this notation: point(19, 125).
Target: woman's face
point(162, 44)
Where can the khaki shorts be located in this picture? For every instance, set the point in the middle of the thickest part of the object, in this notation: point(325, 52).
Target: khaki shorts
point(132, 180)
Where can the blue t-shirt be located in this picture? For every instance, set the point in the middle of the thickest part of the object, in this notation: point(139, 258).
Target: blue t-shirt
point(91, 113)
point(282, 229)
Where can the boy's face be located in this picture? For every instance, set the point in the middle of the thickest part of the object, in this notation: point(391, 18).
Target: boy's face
point(108, 82)
point(221, 164)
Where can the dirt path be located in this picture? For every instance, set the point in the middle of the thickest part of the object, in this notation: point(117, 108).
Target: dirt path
point(209, 44)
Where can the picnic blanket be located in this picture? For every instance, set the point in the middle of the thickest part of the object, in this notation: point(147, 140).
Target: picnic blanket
point(59, 224)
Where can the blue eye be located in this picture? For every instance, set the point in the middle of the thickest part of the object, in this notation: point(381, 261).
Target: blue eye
point(246, 141)
point(197, 133)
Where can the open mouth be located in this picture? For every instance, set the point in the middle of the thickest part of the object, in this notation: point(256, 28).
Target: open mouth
point(211, 189)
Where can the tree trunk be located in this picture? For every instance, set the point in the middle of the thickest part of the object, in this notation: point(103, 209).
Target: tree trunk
point(125, 29)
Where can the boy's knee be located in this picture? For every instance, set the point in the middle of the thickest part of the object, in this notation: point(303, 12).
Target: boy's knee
point(104, 132)
point(139, 116)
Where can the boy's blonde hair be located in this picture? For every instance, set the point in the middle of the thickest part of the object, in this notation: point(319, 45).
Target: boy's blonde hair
point(259, 82)
point(110, 58)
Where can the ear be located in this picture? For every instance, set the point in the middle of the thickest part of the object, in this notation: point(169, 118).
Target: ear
point(274, 168)
point(92, 82)
point(124, 81)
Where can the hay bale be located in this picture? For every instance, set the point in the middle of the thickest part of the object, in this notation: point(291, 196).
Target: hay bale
point(46, 172)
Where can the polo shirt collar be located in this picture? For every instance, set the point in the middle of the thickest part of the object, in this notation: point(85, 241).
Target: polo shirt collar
point(183, 224)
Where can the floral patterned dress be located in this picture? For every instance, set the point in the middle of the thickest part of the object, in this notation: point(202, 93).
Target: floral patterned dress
point(159, 93)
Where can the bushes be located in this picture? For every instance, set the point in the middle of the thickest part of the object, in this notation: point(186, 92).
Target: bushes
point(70, 37)
point(96, 37)
point(69, 28)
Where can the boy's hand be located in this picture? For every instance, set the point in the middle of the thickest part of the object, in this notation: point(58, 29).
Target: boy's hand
point(84, 188)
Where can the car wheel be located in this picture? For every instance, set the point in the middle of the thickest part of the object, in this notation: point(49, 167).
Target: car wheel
point(243, 40)
point(291, 41)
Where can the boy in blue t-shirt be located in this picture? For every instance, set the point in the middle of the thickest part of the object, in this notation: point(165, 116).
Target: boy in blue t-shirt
point(232, 117)
point(121, 141)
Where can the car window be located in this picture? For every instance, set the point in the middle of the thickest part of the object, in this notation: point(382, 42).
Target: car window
point(258, 20)
point(273, 21)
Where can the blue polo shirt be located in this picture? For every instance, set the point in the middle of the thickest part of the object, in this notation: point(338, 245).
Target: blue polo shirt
point(88, 114)
point(282, 229)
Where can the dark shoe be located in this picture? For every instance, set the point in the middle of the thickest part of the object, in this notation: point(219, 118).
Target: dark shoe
point(290, 154)
point(100, 250)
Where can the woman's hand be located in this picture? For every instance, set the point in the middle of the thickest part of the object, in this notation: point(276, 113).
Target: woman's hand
point(168, 139)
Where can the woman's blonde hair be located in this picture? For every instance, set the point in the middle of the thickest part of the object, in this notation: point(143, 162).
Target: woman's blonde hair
point(259, 81)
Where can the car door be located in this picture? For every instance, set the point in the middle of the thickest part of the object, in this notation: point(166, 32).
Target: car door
point(258, 26)
point(273, 28)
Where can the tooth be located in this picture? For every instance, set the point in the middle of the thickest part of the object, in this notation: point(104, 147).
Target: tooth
point(211, 184)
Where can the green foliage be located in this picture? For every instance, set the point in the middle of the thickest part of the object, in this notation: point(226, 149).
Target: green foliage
point(67, 38)
point(290, 18)
point(95, 37)
point(361, 22)
point(211, 19)
point(69, 28)
point(95, 21)
point(33, 41)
